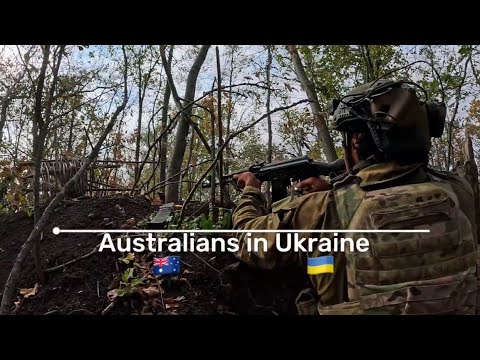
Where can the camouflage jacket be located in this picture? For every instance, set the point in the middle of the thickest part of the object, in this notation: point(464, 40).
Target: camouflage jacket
point(334, 209)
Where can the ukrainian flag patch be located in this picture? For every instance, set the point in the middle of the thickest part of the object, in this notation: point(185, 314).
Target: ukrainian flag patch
point(320, 265)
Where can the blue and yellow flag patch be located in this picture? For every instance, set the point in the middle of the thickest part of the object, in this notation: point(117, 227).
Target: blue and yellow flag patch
point(320, 265)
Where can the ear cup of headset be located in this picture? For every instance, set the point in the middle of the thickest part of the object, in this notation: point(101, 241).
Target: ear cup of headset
point(436, 112)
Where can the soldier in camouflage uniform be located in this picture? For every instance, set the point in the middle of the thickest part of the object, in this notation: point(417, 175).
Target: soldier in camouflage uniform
point(386, 130)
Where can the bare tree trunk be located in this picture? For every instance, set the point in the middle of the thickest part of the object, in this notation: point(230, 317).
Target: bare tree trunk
point(9, 135)
point(190, 153)
point(365, 51)
point(229, 119)
point(70, 134)
point(163, 143)
point(213, 154)
point(55, 144)
point(444, 157)
point(3, 116)
point(180, 186)
point(451, 123)
point(12, 93)
point(220, 130)
point(155, 150)
point(474, 71)
point(38, 145)
point(268, 193)
point(37, 212)
point(43, 131)
point(179, 146)
point(164, 140)
point(153, 145)
point(14, 276)
point(469, 171)
point(319, 119)
point(17, 141)
point(437, 154)
point(143, 81)
point(139, 120)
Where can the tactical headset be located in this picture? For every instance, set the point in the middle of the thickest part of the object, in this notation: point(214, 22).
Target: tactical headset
point(401, 121)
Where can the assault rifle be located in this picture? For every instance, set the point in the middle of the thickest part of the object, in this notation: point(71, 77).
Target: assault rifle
point(282, 173)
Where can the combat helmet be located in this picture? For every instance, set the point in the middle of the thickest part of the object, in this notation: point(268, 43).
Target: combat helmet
point(400, 121)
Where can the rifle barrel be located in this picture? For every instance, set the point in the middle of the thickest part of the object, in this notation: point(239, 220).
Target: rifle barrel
point(299, 168)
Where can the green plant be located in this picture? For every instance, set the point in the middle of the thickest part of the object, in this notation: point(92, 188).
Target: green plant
point(206, 223)
point(129, 284)
point(202, 222)
point(226, 222)
point(29, 211)
point(130, 257)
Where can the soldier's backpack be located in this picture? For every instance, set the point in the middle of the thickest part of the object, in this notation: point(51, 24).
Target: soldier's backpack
point(408, 272)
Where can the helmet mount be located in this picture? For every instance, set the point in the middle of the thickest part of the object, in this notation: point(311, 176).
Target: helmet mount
point(401, 121)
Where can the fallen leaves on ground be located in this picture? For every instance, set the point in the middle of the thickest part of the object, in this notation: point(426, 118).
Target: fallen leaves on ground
point(29, 292)
point(151, 291)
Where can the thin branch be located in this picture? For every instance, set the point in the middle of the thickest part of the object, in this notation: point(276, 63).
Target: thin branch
point(26, 66)
point(88, 138)
point(454, 114)
point(95, 250)
point(179, 173)
point(14, 276)
point(159, 138)
point(227, 140)
point(206, 263)
point(108, 308)
point(210, 92)
point(474, 71)
point(79, 311)
point(76, 107)
point(176, 98)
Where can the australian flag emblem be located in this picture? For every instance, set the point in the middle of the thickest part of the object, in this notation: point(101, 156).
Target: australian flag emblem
point(166, 265)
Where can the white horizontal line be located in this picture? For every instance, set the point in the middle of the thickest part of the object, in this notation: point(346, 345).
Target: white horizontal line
point(219, 231)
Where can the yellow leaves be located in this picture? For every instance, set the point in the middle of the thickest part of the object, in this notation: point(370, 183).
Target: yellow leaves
point(112, 295)
point(474, 111)
point(29, 292)
point(131, 221)
point(229, 106)
point(10, 198)
point(173, 303)
point(4, 173)
point(151, 291)
point(472, 123)
point(6, 170)
point(11, 188)
point(209, 102)
point(130, 257)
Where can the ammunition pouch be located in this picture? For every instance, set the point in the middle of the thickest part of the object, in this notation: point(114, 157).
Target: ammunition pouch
point(345, 308)
point(306, 302)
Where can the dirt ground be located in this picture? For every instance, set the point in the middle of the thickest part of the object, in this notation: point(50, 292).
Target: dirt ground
point(210, 283)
